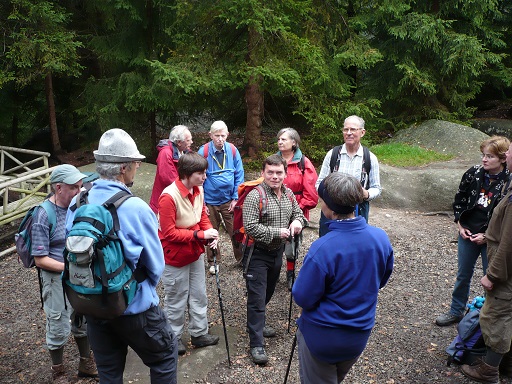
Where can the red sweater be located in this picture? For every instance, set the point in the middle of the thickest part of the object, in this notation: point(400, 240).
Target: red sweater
point(182, 221)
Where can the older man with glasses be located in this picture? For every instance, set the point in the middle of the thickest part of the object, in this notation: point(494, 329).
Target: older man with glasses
point(351, 158)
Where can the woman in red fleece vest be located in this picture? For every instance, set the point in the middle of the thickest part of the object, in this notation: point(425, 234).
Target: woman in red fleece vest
point(184, 229)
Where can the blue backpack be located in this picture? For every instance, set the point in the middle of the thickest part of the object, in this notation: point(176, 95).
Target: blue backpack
point(469, 344)
point(23, 237)
point(96, 278)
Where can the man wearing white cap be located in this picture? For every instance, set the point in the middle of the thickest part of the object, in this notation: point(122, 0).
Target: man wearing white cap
point(143, 326)
point(47, 247)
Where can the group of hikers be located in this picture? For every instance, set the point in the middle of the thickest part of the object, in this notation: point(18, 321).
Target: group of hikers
point(195, 193)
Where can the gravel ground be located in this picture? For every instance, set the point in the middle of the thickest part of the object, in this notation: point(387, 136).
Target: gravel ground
point(405, 347)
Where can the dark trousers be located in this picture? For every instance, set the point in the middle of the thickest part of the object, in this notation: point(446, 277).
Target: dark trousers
point(147, 333)
point(261, 279)
point(362, 209)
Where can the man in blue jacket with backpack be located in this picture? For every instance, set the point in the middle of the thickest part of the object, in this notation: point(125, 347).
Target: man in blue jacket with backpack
point(225, 173)
point(143, 326)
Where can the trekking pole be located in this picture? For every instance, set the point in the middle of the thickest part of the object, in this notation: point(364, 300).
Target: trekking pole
point(291, 357)
point(295, 251)
point(214, 253)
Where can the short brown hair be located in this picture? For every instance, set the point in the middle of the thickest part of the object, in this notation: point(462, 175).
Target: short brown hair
point(190, 163)
point(274, 160)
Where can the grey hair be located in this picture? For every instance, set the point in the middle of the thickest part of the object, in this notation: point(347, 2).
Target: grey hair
point(359, 119)
point(344, 189)
point(178, 133)
point(111, 171)
point(294, 135)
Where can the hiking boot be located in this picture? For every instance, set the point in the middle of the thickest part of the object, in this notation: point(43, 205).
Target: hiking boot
point(448, 319)
point(481, 371)
point(290, 278)
point(268, 331)
point(259, 356)
point(59, 374)
point(212, 270)
point(87, 367)
point(204, 340)
point(181, 348)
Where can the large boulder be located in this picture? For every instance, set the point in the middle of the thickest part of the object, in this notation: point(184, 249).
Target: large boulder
point(430, 188)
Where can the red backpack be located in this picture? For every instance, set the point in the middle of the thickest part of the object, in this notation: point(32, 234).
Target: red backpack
point(238, 221)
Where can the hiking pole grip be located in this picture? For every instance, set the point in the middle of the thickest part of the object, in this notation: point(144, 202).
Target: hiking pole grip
point(214, 254)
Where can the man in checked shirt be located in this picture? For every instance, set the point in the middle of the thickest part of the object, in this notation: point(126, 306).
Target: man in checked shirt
point(283, 219)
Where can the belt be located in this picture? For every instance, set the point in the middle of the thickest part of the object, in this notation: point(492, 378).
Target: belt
point(265, 249)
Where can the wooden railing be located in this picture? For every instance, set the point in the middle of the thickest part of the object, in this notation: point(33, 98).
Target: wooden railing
point(23, 184)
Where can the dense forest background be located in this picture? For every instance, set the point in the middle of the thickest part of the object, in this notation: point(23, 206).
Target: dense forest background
point(69, 70)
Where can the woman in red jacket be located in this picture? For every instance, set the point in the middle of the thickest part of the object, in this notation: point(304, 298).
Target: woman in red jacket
point(184, 229)
point(301, 177)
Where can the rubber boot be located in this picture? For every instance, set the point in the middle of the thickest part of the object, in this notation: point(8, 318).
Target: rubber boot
point(481, 371)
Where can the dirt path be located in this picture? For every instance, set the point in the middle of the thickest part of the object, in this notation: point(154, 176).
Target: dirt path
point(405, 347)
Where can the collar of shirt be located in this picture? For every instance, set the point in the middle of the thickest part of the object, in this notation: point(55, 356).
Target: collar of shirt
point(184, 190)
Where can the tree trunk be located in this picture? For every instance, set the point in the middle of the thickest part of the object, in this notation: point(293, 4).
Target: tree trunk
point(54, 133)
point(254, 100)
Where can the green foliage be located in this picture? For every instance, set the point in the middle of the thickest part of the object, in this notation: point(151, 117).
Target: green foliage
point(403, 155)
point(42, 44)
point(128, 63)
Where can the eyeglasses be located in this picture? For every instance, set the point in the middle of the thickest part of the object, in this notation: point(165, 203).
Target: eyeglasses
point(348, 130)
point(487, 156)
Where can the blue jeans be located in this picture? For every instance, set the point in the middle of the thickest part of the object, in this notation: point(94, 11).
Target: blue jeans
point(362, 209)
point(467, 254)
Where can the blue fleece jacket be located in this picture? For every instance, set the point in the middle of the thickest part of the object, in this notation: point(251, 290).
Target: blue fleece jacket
point(338, 284)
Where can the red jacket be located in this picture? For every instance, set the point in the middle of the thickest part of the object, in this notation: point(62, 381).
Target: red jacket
point(166, 171)
point(302, 185)
point(182, 245)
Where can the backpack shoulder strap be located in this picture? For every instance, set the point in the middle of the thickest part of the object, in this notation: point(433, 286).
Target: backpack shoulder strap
point(302, 164)
point(50, 212)
point(289, 193)
point(114, 203)
point(233, 149)
point(205, 150)
point(367, 162)
point(334, 158)
point(82, 198)
point(263, 200)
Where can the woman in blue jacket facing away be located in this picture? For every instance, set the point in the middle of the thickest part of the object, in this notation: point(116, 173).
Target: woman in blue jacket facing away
point(338, 285)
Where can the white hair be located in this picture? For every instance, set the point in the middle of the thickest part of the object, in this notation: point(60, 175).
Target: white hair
point(178, 133)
